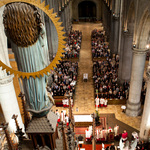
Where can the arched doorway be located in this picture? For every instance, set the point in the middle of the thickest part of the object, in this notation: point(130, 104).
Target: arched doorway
point(87, 11)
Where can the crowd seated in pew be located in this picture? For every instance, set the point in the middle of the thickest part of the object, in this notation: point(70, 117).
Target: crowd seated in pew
point(73, 44)
point(98, 43)
point(63, 80)
point(105, 79)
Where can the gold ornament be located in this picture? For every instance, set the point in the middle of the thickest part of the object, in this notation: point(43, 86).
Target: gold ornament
point(60, 33)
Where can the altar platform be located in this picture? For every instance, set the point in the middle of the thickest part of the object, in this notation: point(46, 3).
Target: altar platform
point(107, 120)
point(85, 121)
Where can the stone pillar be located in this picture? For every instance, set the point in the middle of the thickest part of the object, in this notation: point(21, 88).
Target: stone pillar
point(138, 63)
point(8, 98)
point(125, 61)
point(115, 31)
point(49, 37)
point(9, 102)
point(52, 37)
point(70, 6)
point(145, 123)
point(67, 17)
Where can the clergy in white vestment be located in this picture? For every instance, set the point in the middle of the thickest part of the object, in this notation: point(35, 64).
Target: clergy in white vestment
point(88, 134)
point(67, 119)
point(116, 130)
point(57, 113)
point(103, 146)
point(64, 102)
point(67, 102)
point(97, 134)
point(135, 135)
point(110, 130)
point(104, 132)
point(90, 128)
point(124, 145)
point(101, 134)
point(102, 102)
point(62, 116)
point(105, 102)
point(97, 102)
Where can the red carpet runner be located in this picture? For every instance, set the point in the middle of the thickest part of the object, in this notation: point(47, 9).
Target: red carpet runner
point(98, 147)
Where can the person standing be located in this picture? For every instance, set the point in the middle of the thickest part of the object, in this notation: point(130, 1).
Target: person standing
point(124, 135)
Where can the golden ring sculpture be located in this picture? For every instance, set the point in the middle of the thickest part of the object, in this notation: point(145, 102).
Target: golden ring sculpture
point(61, 41)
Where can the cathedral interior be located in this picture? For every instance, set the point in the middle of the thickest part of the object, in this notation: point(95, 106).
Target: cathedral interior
point(74, 74)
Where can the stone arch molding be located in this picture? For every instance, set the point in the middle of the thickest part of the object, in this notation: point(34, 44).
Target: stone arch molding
point(143, 30)
point(130, 18)
point(77, 2)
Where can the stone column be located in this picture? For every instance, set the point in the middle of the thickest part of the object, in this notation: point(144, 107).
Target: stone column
point(8, 98)
point(125, 61)
point(138, 63)
point(66, 17)
point(145, 123)
point(70, 13)
point(115, 31)
point(9, 102)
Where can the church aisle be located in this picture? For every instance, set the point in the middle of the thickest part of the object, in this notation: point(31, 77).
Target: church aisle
point(84, 97)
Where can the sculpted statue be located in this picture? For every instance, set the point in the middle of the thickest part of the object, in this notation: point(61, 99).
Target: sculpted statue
point(25, 30)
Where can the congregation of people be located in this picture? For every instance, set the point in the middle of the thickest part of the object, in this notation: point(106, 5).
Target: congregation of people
point(105, 72)
point(73, 44)
point(64, 79)
point(98, 43)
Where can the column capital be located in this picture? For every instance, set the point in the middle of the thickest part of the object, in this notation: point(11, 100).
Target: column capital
point(116, 17)
point(6, 79)
point(140, 51)
point(127, 34)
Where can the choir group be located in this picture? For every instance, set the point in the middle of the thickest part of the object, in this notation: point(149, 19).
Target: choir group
point(63, 117)
point(101, 134)
point(66, 102)
point(100, 102)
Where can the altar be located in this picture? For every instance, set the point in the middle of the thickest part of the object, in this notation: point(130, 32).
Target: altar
point(83, 120)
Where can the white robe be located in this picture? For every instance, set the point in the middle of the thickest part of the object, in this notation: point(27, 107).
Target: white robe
point(102, 101)
point(87, 133)
point(97, 101)
point(116, 130)
point(105, 102)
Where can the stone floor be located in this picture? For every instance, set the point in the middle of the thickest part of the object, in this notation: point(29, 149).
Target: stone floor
point(84, 97)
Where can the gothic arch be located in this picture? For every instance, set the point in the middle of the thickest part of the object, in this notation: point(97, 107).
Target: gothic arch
point(143, 30)
point(75, 10)
point(131, 17)
point(87, 9)
point(110, 4)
